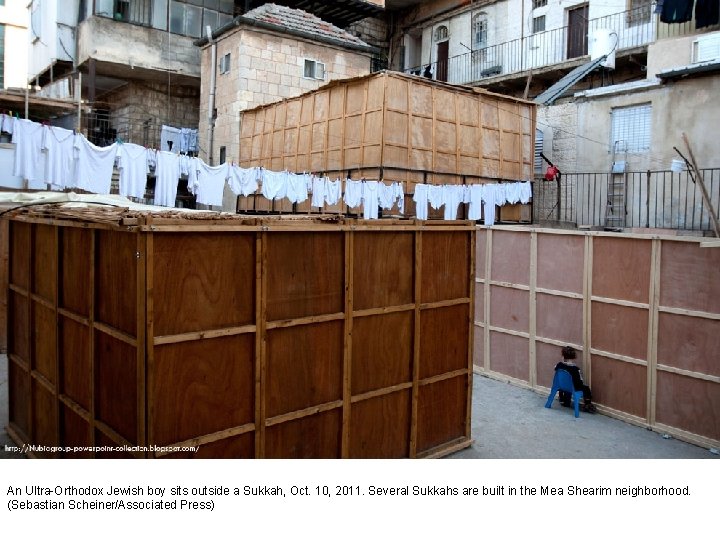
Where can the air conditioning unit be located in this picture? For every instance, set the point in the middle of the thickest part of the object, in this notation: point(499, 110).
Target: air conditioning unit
point(706, 48)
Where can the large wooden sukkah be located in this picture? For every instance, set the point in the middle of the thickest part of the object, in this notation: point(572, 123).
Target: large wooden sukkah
point(269, 337)
point(391, 126)
point(643, 312)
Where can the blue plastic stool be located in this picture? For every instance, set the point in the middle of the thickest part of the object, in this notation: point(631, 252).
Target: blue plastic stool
point(563, 381)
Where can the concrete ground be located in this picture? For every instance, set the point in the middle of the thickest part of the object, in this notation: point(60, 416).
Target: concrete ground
point(512, 422)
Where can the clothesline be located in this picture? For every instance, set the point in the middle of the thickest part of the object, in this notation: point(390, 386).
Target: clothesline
point(64, 159)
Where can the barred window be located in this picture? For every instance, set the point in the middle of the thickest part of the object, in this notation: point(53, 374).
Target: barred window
point(631, 128)
point(480, 31)
point(441, 33)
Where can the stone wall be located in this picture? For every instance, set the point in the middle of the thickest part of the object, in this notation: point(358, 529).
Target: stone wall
point(372, 31)
point(139, 109)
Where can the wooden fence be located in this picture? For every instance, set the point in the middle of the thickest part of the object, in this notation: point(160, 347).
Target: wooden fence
point(643, 312)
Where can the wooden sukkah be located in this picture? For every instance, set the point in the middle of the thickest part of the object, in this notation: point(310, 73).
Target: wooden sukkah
point(245, 337)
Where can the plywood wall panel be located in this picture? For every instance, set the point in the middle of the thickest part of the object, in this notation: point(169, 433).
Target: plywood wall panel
point(382, 351)
point(74, 433)
point(216, 270)
point(380, 427)
point(621, 268)
point(379, 257)
point(116, 385)
point(75, 270)
point(44, 341)
point(480, 248)
point(689, 404)
point(479, 347)
point(441, 412)
point(509, 355)
point(509, 308)
point(443, 340)
point(620, 329)
point(19, 398)
point(560, 262)
point(18, 331)
point(315, 437)
point(116, 280)
point(45, 262)
point(689, 343)
point(444, 254)
point(511, 257)
point(305, 275)
point(304, 367)
point(45, 428)
point(619, 385)
point(559, 318)
point(201, 387)
point(4, 280)
point(684, 279)
point(479, 306)
point(75, 367)
point(20, 254)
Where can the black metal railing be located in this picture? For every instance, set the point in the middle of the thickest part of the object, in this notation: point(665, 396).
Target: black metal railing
point(633, 28)
point(653, 199)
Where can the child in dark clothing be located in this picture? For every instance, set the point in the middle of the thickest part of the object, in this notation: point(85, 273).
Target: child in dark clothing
point(569, 354)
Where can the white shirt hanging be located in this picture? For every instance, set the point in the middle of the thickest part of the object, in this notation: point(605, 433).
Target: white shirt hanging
point(94, 165)
point(132, 162)
point(167, 176)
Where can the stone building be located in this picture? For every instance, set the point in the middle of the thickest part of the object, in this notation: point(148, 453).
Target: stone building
point(270, 53)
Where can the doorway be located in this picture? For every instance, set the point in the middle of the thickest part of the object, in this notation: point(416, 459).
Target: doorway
point(577, 39)
point(442, 61)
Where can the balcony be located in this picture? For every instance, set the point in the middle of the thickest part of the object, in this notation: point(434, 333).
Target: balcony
point(547, 50)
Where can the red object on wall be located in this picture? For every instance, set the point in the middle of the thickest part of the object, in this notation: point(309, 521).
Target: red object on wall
point(552, 172)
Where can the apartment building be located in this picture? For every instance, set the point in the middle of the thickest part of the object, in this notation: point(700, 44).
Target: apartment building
point(13, 56)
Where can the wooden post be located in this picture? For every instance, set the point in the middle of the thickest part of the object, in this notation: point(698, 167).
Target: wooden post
point(416, 345)
point(703, 189)
point(532, 297)
point(347, 346)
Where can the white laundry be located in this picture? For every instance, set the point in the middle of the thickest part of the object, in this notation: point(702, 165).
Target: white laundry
point(491, 194)
point(7, 123)
point(371, 193)
point(333, 191)
point(500, 192)
point(421, 201)
point(318, 192)
point(243, 181)
point(474, 197)
point(512, 193)
point(297, 187)
point(132, 162)
point(172, 135)
point(274, 185)
point(29, 157)
point(525, 192)
point(167, 176)
point(353, 193)
point(188, 140)
point(387, 195)
point(453, 195)
point(152, 158)
point(210, 183)
point(400, 192)
point(58, 144)
point(435, 196)
point(94, 165)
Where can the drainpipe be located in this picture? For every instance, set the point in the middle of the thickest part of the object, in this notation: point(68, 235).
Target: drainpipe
point(211, 101)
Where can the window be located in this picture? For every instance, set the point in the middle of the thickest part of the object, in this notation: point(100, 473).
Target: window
point(225, 63)
point(314, 70)
point(539, 3)
point(538, 24)
point(441, 33)
point(539, 139)
point(2, 56)
point(480, 31)
point(190, 17)
point(223, 151)
point(640, 12)
point(631, 128)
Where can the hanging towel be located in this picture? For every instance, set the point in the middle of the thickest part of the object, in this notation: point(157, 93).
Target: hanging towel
point(677, 11)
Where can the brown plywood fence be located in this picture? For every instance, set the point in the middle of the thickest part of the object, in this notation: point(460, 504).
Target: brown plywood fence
point(247, 338)
point(394, 126)
point(643, 312)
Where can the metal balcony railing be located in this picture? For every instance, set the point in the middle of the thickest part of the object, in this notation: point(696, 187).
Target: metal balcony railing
point(634, 28)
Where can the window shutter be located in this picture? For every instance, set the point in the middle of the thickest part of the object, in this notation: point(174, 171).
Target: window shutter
point(539, 138)
point(707, 48)
point(631, 128)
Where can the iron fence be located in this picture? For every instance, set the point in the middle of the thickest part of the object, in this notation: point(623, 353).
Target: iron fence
point(653, 199)
point(633, 28)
